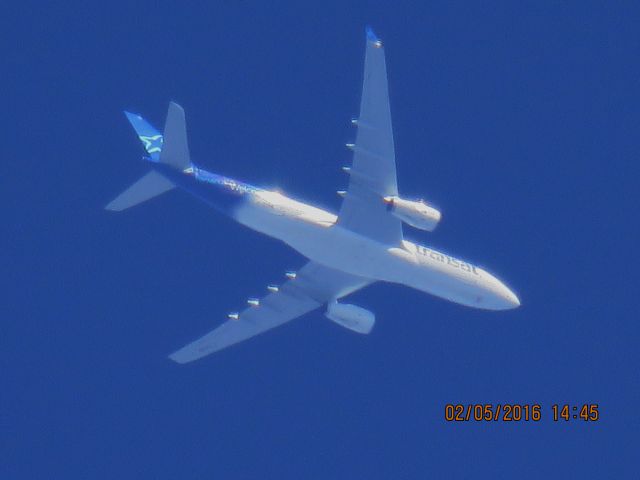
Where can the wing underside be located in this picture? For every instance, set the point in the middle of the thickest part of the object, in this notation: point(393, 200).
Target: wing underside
point(313, 286)
point(373, 173)
point(372, 177)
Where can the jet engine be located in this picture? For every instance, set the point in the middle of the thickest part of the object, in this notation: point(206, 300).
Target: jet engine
point(351, 316)
point(415, 213)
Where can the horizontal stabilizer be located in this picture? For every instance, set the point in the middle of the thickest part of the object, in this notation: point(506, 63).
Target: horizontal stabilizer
point(175, 148)
point(149, 186)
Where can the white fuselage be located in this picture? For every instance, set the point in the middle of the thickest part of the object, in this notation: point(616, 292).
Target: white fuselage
point(316, 234)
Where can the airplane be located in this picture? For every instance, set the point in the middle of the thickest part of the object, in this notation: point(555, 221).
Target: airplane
point(362, 244)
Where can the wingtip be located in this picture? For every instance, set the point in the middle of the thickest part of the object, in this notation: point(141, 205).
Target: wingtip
point(371, 36)
point(175, 356)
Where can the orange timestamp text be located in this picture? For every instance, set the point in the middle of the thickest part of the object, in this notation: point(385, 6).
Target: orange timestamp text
point(515, 412)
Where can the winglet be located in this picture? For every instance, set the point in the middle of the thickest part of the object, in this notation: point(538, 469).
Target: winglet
point(371, 36)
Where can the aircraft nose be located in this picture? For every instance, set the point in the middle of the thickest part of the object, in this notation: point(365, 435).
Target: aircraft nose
point(499, 296)
point(510, 298)
point(504, 298)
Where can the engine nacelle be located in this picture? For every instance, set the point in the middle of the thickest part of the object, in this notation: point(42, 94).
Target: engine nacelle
point(351, 316)
point(415, 213)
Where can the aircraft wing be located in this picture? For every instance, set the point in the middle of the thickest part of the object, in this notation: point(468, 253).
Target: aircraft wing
point(373, 173)
point(313, 286)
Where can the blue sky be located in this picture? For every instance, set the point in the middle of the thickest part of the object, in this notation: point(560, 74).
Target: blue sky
point(519, 120)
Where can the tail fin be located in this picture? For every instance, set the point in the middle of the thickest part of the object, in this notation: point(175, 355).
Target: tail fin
point(171, 148)
point(150, 137)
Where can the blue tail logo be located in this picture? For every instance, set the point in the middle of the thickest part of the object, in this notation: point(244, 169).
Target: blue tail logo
point(152, 143)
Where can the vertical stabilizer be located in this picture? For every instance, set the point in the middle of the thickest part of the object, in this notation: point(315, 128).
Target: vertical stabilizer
point(150, 137)
point(170, 148)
